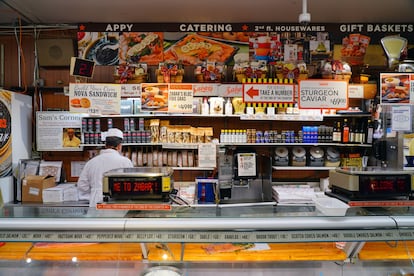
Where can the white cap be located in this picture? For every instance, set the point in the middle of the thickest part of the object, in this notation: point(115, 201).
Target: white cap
point(114, 132)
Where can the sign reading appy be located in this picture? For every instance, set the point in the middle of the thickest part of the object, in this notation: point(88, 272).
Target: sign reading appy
point(323, 94)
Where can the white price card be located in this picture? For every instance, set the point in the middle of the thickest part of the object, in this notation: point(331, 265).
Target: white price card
point(207, 155)
point(401, 118)
point(180, 98)
point(246, 164)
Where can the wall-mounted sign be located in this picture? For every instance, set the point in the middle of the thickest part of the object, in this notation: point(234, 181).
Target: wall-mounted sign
point(95, 98)
point(323, 94)
point(397, 88)
point(268, 93)
point(154, 97)
point(180, 98)
point(58, 131)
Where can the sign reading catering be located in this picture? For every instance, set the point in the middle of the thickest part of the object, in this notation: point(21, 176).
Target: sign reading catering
point(330, 94)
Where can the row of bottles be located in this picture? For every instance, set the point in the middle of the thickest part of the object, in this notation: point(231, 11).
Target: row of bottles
point(345, 132)
point(353, 132)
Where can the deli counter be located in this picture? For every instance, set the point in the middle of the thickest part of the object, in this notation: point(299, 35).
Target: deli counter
point(205, 239)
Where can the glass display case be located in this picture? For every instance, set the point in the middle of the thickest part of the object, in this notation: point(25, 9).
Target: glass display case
point(237, 239)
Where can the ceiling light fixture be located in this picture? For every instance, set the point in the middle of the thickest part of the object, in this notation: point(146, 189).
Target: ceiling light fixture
point(304, 17)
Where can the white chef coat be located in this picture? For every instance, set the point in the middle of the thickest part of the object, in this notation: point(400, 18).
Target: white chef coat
point(90, 180)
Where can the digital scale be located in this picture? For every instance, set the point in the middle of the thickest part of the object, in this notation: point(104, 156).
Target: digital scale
point(138, 183)
point(370, 183)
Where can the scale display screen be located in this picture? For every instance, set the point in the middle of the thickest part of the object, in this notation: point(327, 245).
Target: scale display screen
point(384, 184)
point(139, 187)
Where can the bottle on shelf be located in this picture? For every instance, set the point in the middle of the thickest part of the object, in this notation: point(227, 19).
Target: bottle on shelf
point(359, 137)
point(352, 132)
point(205, 107)
point(370, 132)
point(249, 109)
point(228, 107)
point(337, 132)
point(345, 132)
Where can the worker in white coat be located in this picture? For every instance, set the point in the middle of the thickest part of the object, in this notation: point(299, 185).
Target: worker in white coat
point(90, 180)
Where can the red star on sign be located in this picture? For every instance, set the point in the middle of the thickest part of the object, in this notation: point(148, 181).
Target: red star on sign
point(82, 27)
point(245, 27)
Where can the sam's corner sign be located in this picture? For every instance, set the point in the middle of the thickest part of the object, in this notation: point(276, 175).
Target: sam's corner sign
point(318, 94)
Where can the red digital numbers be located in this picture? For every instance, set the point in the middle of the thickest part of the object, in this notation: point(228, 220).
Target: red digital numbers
point(85, 69)
point(382, 185)
point(134, 187)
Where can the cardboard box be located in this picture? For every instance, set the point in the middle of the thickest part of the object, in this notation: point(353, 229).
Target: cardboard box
point(33, 186)
point(60, 193)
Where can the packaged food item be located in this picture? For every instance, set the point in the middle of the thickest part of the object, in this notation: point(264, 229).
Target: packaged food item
point(140, 161)
point(216, 105)
point(250, 70)
point(184, 157)
point(171, 134)
point(155, 130)
point(193, 135)
point(164, 158)
point(200, 135)
point(210, 72)
point(238, 105)
point(178, 135)
point(160, 158)
point(354, 48)
point(163, 131)
point(170, 73)
point(179, 159)
point(190, 155)
point(128, 73)
point(208, 134)
point(186, 130)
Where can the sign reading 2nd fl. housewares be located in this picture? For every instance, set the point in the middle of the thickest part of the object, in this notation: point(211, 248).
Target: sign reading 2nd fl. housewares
point(330, 94)
point(95, 98)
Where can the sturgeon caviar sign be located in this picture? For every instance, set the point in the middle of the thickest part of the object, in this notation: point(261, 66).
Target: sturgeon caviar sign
point(330, 94)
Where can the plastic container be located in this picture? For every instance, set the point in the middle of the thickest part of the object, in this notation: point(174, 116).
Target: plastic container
point(330, 206)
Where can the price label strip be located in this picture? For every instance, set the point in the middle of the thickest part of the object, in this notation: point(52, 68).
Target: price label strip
point(208, 236)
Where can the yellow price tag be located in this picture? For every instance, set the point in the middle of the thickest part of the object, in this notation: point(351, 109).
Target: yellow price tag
point(166, 184)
